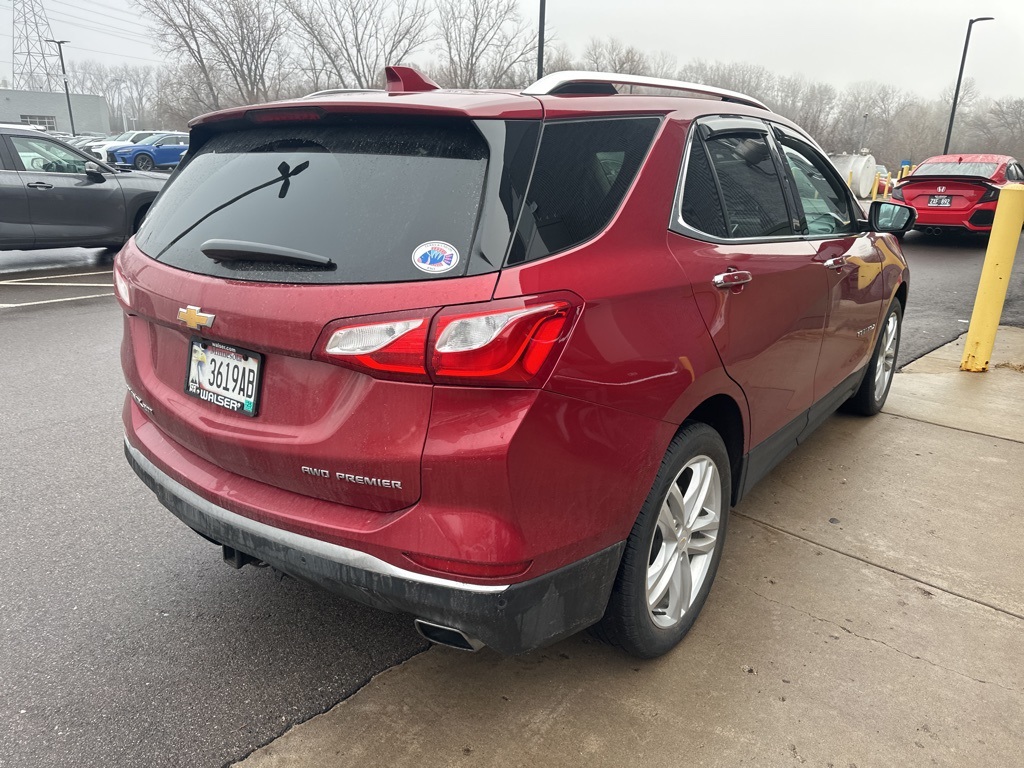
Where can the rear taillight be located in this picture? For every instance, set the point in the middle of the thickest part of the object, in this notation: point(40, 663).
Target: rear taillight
point(509, 347)
point(510, 342)
point(395, 349)
point(897, 193)
point(990, 194)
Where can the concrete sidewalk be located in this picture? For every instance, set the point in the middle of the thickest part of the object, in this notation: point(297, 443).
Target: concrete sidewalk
point(869, 611)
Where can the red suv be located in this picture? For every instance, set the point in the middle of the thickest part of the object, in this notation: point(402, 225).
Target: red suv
point(501, 361)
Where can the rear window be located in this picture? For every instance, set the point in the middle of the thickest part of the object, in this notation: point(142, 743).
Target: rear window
point(583, 171)
point(385, 201)
point(957, 169)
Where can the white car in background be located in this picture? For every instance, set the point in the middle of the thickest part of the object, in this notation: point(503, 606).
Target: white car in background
point(99, 148)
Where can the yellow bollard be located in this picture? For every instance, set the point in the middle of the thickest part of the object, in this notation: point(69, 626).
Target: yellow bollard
point(849, 180)
point(888, 186)
point(995, 275)
point(874, 187)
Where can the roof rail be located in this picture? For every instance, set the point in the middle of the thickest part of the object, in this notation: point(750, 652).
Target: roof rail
point(331, 91)
point(561, 81)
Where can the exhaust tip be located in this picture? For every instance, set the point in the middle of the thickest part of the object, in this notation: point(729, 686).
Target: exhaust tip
point(453, 638)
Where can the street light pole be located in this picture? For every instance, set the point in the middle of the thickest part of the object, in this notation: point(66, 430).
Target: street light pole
point(540, 43)
point(64, 73)
point(959, 79)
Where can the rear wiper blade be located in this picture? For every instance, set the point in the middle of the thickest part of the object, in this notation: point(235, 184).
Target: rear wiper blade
point(239, 250)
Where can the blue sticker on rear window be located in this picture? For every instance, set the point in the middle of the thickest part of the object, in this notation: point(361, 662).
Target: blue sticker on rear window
point(435, 257)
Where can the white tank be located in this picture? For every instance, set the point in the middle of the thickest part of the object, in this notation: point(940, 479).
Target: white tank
point(863, 168)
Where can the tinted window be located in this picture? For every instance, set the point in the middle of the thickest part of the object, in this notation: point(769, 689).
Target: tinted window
point(751, 190)
point(702, 206)
point(364, 194)
point(582, 173)
point(826, 210)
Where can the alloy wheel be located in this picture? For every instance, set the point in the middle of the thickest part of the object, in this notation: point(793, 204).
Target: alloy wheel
point(886, 355)
point(684, 541)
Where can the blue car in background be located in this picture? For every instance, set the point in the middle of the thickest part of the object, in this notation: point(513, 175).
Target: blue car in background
point(162, 150)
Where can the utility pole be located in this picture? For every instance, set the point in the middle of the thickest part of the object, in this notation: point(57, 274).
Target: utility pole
point(540, 43)
point(959, 78)
point(64, 73)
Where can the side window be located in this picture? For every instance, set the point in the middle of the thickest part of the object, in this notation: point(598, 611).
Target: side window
point(826, 208)
point(751, 189)
point(702, 206)
point(583, 170)
point(45, 155)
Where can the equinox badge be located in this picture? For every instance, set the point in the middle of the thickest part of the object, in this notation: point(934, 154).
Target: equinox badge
point(195, 318)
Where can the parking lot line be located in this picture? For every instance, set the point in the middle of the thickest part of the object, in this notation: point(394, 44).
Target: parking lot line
point(53, 277)
point(55, 301)
point(59, 285)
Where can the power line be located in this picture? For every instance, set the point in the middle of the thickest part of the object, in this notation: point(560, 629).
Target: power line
point(117, 53)
point(121, 17)
point(84, 23)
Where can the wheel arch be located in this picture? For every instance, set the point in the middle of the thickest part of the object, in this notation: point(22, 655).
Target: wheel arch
point(901, 295)
point(724, 415)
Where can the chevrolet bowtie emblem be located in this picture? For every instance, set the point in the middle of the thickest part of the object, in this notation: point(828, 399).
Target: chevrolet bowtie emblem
point(195, 318)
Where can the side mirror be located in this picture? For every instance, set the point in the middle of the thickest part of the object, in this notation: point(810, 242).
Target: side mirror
point(884, 216)
point(94, 172)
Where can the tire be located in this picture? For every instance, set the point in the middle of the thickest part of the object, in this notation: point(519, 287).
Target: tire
point(874, 389)
point(649, 621)
point(139, 218)
point(143, 162)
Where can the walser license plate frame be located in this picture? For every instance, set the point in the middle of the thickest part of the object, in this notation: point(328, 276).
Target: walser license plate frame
point(225, 376)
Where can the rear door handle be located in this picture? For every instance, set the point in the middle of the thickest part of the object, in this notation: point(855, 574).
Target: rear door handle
point(837, 263)
point(731, 279)
point(39, 185)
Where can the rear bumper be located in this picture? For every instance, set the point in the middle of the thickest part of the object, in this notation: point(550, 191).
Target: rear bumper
point(509, 618)
point(976, 219)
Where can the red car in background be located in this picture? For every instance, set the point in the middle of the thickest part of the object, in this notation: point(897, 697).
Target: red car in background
point(957, 192)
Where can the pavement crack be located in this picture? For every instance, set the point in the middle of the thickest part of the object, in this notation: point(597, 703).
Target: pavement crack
point(876, 640)
point(881, 566)
point(955, 429)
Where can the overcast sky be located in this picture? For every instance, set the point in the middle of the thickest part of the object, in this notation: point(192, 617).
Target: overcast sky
point(913, 44)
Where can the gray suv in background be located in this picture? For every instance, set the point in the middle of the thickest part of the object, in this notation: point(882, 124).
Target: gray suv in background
point(53, 195)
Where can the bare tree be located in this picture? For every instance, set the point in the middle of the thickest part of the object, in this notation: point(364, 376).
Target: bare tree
point(178, 25)
point(611, 55)
point(353, 40)
point(247, 37)
point(485, 43)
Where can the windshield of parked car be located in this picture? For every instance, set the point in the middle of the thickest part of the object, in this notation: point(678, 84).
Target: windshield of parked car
point(370, 196)
point(123, 137)
point(986, 170)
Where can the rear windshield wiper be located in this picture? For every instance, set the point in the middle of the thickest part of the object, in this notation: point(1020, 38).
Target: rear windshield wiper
point(239, 250)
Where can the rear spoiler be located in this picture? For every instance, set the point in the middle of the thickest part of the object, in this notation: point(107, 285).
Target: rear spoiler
point(940, 178)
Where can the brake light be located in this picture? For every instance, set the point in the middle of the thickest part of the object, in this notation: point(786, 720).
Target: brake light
point(287, 115)
point(991, 194)
point(897, 193)
point(395, 349)
point(509, 342)
point(501, 347)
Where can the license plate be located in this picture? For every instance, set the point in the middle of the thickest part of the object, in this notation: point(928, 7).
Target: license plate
point(228, 377)
point(940, 201)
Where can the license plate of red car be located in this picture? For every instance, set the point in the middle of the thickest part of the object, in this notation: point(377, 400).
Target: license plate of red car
point(940, 201)
point(225, 376)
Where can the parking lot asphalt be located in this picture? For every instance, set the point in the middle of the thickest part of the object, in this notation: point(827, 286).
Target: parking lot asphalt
point(869, 611)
